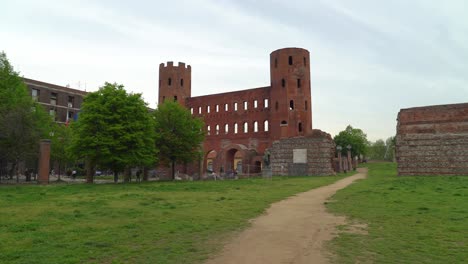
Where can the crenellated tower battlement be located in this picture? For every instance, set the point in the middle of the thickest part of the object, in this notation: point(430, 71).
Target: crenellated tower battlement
point(175, 82)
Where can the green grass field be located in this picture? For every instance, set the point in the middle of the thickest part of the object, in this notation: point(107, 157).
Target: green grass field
point(410, 219)
point(171, 222)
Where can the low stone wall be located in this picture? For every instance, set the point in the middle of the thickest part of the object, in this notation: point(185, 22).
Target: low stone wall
point(433, 140)
point(311, 155)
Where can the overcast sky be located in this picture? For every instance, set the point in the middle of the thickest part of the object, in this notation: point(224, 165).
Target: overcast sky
point(368, 58)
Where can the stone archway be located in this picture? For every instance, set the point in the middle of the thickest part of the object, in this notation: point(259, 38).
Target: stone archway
point(234, 159)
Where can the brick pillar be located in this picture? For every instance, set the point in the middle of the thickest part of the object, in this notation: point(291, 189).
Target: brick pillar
point(44, 161)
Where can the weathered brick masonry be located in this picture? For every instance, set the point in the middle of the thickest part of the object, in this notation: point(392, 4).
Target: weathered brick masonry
point(241, 125)
point(433, 140)
point(320, 151)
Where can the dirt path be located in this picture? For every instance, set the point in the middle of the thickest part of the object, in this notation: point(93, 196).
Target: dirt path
point(291, 231)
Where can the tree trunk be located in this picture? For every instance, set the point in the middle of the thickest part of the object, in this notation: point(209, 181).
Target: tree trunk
point(89, 172)
point(145, 174)
point(127, 175)
point(173, 170)
point(116, 176)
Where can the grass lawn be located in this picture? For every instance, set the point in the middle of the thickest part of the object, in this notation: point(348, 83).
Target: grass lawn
point(410, 219)
point(156, 222)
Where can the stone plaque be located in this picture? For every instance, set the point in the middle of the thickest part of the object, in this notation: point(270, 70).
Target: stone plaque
point(299, 155)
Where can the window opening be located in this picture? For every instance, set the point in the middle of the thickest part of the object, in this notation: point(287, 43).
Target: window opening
point(283, 82)
point(265, 126)
point(245, 105)
point(208, 109)
point(181, 82)
point(255, 103)
point(300, 127)
point(255, 126)
point(235, 128)
point(175, 98)
point(290, 60)
point(298, 83)
point(169, 81)
point(217, 129)
point(217, 108)
point(265, 103)
point(208, 130)
point(226, 128)
point(226, 107)
point(291, 105)
point(246, 127)
point(235, 106)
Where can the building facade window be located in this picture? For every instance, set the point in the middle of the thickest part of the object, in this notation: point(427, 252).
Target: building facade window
point(181, 82)
point(53, 98)
point(245, 105)
point(208, 130)
point(246, 127)
point(255, 126)
point(265, 126)
point(235, 106)
point(283, 83)
point(235, 128)
point(265, 103)
point(298, 83)
point(217, 129)
point(71, 101)
point(300, 127)
point(217, 108)
point(290, 60)
point(169, 81)
point(35, 94)
point(226, 128)
point(208, 109)
point(199, 110)
point(291, 105)
point(255, 103)
point(226, 107)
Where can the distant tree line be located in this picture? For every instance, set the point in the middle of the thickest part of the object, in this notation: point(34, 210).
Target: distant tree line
point(115, 130)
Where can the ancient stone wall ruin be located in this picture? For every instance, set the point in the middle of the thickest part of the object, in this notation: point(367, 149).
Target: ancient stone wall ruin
point(433, 140)
point(312, 155)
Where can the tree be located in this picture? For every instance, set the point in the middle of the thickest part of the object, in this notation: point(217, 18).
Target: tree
point(114, 130)
point(22, 121)
point(354, 137)
point(60, 141)
point(377, 150)
point(178, 134)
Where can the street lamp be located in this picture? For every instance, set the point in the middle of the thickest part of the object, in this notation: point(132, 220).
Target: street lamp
point(349, 157)
point(340, 167)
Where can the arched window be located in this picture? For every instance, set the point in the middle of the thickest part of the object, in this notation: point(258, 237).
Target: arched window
point(181, 82)
point(255, 103)
point(208, 109)
point(283, 83)
point(291, 105)
point(235, 128)
point(217, 108)
point(265, 103)
point(217, 129)
point(300, 127)
point(226, 107)
point(290, 60)
point(169, 81)
point(245, 105)
point(191, 110)
point(226, 128)
point(208, 130)
point(284, 122)
point(199, 110)
point(255, 126)
point(246, 127)
point(298, 83)
point(235, 106)
point(265, 126)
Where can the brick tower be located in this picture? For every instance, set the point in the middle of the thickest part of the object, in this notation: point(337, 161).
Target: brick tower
point(290, 93)
point(175, 82)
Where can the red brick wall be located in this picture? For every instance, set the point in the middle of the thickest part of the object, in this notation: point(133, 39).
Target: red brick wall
point(433, 140)
point(289, 86)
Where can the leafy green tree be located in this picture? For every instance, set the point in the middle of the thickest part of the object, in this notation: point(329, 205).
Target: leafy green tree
point(354, 137)
point(377, 150)
point(178, 134)
point(60, 141)
point(114, 130)
point(22, 121)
